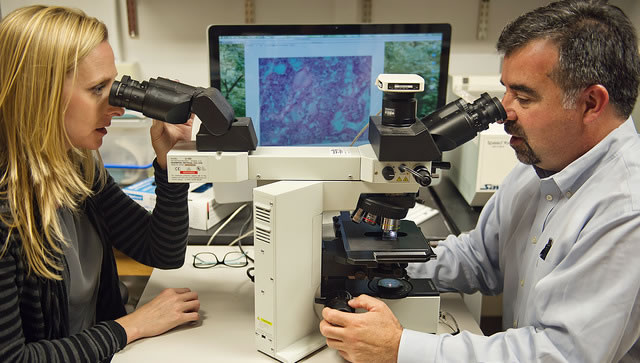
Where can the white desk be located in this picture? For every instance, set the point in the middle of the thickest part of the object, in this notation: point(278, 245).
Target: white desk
point(225, 331)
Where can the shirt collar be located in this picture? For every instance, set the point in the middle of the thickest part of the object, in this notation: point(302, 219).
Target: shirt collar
point(575, 174)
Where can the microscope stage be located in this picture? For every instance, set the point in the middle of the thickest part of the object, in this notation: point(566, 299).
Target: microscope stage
point(363, 243)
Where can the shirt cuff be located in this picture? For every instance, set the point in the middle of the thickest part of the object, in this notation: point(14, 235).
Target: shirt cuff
point(162, 177)
point(119, 333)
point(417, 347)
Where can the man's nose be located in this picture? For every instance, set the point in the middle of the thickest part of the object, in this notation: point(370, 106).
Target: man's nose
point(511, 114)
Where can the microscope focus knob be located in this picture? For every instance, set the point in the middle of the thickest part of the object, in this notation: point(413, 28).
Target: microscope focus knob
point(425, 177)
point(388, 173)
point(420, 174)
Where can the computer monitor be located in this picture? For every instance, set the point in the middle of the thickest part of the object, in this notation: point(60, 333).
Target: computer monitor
point(315, 84)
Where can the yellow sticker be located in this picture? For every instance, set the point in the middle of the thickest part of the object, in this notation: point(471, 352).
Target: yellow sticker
point(265, 321)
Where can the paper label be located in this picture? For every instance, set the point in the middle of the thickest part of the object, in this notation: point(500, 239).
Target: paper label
point(187, 169)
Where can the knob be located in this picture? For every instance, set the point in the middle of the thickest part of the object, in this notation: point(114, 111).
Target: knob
point(388, 173)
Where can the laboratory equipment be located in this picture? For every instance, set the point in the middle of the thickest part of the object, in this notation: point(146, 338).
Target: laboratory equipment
point(173, 102)
point(292, 267)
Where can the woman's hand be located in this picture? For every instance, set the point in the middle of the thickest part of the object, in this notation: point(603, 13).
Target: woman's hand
point(165, 135)
point(171, 308)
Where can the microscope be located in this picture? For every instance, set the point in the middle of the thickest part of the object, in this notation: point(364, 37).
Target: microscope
point(372, 186)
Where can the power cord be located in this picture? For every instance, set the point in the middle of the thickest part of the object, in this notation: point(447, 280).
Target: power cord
point(241, 235)
point(363, 130)
point(229, 219)
point(359, 134)
point(237, 240)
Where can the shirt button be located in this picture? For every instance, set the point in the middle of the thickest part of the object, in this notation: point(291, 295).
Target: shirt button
point(515, 323)
point(549, 197)
point(522, 283)
point(568, 195)
point(534, 239)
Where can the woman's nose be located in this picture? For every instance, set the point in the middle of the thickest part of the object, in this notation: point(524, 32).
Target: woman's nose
point(116, 111)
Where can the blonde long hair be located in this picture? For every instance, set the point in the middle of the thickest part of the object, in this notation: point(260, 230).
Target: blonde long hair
point(41, 46)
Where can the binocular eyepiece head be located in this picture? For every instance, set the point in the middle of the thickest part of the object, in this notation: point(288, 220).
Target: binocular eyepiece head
point(173, 102)
point(458, 122)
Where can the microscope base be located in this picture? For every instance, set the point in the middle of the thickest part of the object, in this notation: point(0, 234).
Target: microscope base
point(419, 313)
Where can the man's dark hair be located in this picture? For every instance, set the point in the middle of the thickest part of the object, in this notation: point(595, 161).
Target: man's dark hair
point(597, 45)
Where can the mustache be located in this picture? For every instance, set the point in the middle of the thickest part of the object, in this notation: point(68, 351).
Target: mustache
point(511, 128)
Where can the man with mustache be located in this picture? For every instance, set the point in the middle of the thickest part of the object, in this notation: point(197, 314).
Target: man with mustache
point(561, 238)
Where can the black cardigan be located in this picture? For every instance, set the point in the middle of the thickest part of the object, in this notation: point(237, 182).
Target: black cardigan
point(34, 311)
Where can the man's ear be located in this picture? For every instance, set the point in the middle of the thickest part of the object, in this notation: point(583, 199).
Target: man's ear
point(596, 99)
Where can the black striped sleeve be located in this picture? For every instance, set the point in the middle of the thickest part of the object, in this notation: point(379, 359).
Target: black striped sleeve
point(157, 239)
point(97, 343)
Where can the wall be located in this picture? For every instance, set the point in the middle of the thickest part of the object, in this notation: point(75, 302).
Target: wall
point(189, 41)
point(104, 10)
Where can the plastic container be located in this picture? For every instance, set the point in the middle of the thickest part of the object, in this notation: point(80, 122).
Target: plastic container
point(126, 149)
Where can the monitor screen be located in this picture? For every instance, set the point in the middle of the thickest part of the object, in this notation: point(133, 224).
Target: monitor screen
point(315, 84)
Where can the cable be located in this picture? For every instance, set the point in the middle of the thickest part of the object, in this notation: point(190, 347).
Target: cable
point(246, 222)
point(359, 134)
point(244, 225)
point(251, 277)
point(363, 130)
point(233, 215)
point(249, 233)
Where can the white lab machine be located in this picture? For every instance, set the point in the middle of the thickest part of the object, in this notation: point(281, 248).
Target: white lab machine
point(288, 230)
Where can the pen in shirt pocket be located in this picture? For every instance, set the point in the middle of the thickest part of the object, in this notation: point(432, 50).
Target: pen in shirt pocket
point(545, 250)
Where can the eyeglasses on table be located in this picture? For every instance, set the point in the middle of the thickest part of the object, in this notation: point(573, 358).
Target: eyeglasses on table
point(210, 259)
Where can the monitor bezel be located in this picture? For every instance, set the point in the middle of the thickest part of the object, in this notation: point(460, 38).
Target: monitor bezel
point(214, 32)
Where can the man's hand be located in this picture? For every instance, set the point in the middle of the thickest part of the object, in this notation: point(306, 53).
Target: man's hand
point(165, 135)
point(171, 308)
point(373, 336)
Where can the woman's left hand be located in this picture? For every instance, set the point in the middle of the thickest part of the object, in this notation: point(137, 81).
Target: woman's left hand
point(165, 135)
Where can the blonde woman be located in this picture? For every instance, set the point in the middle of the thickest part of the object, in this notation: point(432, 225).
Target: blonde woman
point(60, 212)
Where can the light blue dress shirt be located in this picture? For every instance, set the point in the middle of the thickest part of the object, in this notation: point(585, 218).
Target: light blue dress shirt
point(581, 302)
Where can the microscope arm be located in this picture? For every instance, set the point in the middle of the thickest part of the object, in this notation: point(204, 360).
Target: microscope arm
point(273, 163)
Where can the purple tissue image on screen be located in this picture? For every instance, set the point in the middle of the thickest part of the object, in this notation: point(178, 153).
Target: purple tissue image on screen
point(313, 100)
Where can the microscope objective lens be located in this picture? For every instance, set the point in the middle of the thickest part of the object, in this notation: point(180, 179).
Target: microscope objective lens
point(357, 215)
point(371, 219)
point(390, 224)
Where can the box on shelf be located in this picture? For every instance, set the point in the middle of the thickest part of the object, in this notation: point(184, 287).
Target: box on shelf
point(143, 192)
point(204, 211)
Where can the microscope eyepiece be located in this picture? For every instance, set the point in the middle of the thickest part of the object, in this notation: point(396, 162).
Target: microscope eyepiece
point(152, 100)
point(127, 93)
point(458, 122)
point(173, 102)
